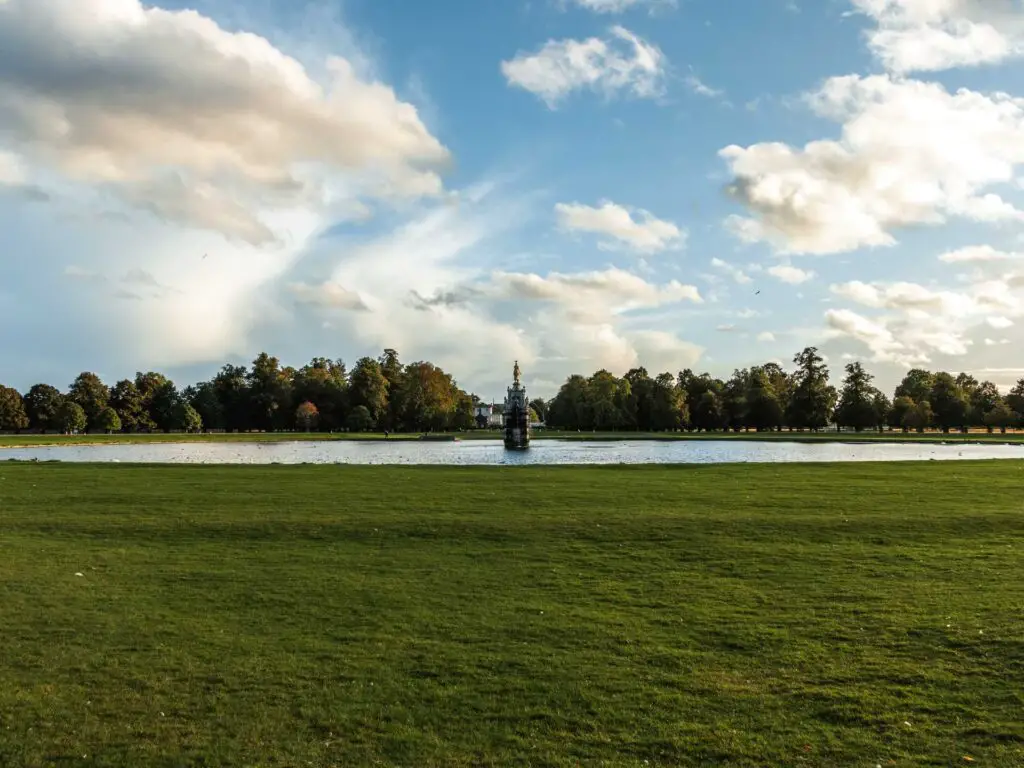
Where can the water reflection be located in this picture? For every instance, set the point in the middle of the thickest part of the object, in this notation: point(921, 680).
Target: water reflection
point(488, 452)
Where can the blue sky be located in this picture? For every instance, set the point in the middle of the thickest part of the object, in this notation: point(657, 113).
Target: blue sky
point(472, 182)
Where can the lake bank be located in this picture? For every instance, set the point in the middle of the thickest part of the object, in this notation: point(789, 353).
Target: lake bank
point(836, 615)
point(492, 452)
point(36, 441)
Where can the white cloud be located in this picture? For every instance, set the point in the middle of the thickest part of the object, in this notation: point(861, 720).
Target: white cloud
point(916, 322)
point(622, 62)
point(932, 35)
point(328, 295)
point(996, 342)
point(1000, 323)
point(978, 253)
point(643, 234)
point(734, 272)
point(701, 88)
point(620, 6)
point(202, 126)
point(789, 274)
point(611, 290)
point(12, 170)
point(911, 153)
point(766, 336)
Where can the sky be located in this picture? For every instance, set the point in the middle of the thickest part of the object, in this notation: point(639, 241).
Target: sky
point(573, 184)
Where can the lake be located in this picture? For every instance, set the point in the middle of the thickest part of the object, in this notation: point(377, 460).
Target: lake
point(487, 452)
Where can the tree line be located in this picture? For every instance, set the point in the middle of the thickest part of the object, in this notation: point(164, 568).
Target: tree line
point(386, 395)
point(377, 394)
point(769, 398)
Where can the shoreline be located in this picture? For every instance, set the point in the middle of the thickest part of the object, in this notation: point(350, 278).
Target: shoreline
point(14, 442)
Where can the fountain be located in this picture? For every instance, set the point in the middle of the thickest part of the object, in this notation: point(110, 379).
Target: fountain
point(517, 414)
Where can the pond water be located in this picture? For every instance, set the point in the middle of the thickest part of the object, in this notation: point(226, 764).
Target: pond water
point(488, 452)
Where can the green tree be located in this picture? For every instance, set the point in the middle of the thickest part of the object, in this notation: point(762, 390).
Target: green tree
point(1000, 417)
point(919, 417)
point(360, 419)
point(324, 383)
point(709, 414)
point(570, 408)
point(269, 389)
point(882, 408)
point(858, 400)
point(127, 401)
point(669, 411)
point(154, 413)
point(399, 414)
point(1015, 399)
point(185, 417)
point(764, 411)
point(899, 413)
point(108, 421)
point(91, 394)
point(734, 400)
point(204, 401)
point(917, 385)
point(369, 388)
point(604, 390)
point(13, 417)
point(42, 403)
point(813, 399)
point(306, 416)
point(71, 417)
point(165, 407)
point(232, 387)
point(949, 403)
point(983, 400)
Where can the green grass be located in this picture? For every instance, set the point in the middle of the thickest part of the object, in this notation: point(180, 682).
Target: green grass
point(27, 440)
point(828, 615)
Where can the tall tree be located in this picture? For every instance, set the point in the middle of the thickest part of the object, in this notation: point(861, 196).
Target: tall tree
point(858, 400)
point(13, 417)
point(369, 388)
point(397, 411)
point(917, 385)
point(813, 399)
point(669, 411)
point(42, 403)
point(204, 401)
point(148, 386)
point(324, 383)
point(91, 394)
point(764, 408)
point(709, 414)
point(570, 408)
point(948, 402)
point(232, 387)
point(127, 402)
point(269, 394)
point(1015, 399)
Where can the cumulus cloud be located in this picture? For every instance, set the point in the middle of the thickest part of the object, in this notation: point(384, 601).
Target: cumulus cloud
point(642, 232)
point(328, 295)
point(613, 289)
point(766, 336)
point(911, 153)
point(915, 322)
point(619, 63)
point(979, 254)
point(789, 274)
point(933, 35)
point(731, 270)
point(202, 126)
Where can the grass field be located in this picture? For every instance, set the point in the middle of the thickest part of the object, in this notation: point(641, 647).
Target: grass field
point(14, 441)
point(829, 615)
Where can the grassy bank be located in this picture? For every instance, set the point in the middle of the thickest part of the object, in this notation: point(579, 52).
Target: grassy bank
point(830, 615)
point(25, 441)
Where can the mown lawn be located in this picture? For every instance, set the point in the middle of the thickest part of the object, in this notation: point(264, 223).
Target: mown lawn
point(756, 615)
